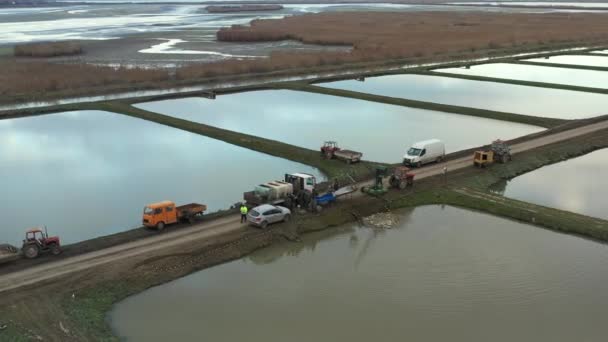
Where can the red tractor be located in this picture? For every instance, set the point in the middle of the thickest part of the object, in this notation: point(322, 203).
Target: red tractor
point(329, 148)
point(36, 241)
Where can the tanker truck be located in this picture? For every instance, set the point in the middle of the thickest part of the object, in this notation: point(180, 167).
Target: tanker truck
point(295, 189)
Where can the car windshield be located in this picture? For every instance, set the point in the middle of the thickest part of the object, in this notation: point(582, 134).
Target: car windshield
point(148, 211)
point(254, 213)
point(414, 151)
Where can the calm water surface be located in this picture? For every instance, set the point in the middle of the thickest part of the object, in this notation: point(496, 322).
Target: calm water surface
point(382, 132)
point(444, 274)
point(494, 96)
point(86, 174)
point(578, 185)
point(598, 61)
point(581, 78)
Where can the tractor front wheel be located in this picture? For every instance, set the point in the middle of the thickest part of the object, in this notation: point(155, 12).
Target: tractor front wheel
point(31, 251)
point(55, 249)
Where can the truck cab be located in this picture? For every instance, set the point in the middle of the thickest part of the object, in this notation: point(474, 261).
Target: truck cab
point(301, 181)
point(158, 215)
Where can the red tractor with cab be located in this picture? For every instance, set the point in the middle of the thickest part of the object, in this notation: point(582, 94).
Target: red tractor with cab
point(36, 241)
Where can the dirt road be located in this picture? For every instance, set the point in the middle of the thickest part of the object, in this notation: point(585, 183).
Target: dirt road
point(226, 225)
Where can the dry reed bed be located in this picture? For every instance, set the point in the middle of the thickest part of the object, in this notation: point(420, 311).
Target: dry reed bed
point(374, 36)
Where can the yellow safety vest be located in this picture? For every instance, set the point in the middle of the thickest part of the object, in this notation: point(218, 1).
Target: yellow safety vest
point(244, 210)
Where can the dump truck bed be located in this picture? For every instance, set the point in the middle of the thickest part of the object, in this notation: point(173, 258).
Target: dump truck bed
point(188, 210)
point(350, 155)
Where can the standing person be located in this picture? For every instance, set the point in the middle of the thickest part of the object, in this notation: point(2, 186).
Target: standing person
point(243, 213)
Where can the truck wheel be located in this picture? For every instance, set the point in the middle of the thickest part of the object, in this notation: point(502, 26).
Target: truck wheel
point(160, 226)
point(31, 251)
point(286, 218)
point(55, 249)
point(191, 219)
point(264, 225)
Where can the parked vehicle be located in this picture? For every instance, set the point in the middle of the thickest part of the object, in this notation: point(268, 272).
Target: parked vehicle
point(266, 214)
point(295, 189)
point(330, 150)
point(158, 215)
point(401, 178)
point(498, 152)
point(424, 152)
point(36, 242)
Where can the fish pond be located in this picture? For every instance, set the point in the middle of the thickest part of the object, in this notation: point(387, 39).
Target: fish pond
point(442, 274)
point(578, 185)
point(88, 173)
point(382, 132)
point(596, 61)
point(575, 77)
point(501, 97)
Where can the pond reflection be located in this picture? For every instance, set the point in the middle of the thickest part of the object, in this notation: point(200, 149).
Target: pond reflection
point(86, 174)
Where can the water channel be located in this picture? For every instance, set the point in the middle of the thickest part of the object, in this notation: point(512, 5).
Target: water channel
point(578, 185)
point(382, 132)
point(87, 174)
point(575, 77)
point(554, 103)
point(442, 274)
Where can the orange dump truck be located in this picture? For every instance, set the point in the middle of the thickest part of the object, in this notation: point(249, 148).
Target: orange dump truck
point(158, 215)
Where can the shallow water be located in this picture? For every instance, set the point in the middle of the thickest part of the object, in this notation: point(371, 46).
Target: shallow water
point(578, 185)
point(86, 174)
point(581, 78)
point(445, 274)
point(493, 96)
point(382, 132)
point(598, 61)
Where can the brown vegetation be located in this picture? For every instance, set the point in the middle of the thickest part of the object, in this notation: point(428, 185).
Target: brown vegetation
point(374, 36)
point(243, 8)
point(398, 35)
point(26, 78)
point(52, 49)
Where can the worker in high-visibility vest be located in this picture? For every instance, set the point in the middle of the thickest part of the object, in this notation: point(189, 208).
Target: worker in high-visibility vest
point(243, 213)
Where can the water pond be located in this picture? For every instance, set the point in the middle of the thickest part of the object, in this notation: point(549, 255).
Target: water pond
point(86, 174)
point(442, 274)
point(575, 77)
point(382, 132)
point(578, 185)
point(597, 61)
point(502, 97)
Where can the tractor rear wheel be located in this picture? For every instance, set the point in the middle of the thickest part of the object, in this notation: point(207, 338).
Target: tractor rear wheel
point(31, 251)
point(402, 184)
point(55, 249)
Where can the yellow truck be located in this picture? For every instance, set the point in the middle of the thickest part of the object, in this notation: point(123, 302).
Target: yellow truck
point(160, 214)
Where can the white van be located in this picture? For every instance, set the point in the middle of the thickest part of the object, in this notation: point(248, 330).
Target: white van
point(423, 152)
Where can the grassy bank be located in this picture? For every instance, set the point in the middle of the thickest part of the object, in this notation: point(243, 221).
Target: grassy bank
point(513, 81)
point(483, 113)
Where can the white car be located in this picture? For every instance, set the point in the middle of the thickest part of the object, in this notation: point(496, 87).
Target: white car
point(265, 214)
